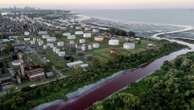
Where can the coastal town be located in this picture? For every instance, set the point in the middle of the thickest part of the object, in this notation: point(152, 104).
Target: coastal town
point(47, 55)
point(45, 50)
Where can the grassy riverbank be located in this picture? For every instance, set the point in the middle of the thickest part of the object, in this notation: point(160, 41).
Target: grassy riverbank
point(170, 88)
point(30, 97)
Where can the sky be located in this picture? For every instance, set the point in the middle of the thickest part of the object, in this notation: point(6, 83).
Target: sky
point(100, 4)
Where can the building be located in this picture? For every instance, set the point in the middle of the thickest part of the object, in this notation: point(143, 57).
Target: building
point(51, 39)
point(51, 45)
point(83, 47)
point(32, 42)
point(40, 43)
point(72, 42)
point(150, 45)
point(87, 29)
point(95, 30)
point(16, 62)
point(45, 36)
point(71, 37)
point(26, 39)
point(35, 74)
point(67, 34)
point(78, 27)
point(79, 32)
point(84, 65)
point(26, 33)
point(4, 14)
point(44, 46)
point(129, 45)
point(56, 50)
point(99, 38)
point(89, 47)
point(74, 64)
point(42, 32)
point(61, 53)
point(81, 41)
point(113, 42)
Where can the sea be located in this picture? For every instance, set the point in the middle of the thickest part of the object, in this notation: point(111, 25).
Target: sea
point(148, 16)
point(161, 16)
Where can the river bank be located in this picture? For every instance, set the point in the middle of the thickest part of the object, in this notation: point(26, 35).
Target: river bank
point(79, 103)
point(171, 84)
point(60, 88)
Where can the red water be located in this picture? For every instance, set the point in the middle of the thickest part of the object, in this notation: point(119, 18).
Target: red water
point(114, 84)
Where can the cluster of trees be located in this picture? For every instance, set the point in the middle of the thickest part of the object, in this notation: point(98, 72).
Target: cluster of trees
point(6, 49)
point(120, 32)
point(30, 97)
point(171, 88)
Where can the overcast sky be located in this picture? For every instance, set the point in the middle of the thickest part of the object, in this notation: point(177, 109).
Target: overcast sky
point(100, 4)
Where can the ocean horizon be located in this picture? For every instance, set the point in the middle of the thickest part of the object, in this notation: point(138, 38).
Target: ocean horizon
point(152, 16)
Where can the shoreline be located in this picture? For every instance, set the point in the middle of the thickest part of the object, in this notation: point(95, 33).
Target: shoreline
point(84, 17)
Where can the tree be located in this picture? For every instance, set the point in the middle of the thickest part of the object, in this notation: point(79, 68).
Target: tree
point(131, 34)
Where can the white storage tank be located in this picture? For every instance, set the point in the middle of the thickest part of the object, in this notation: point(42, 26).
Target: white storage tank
point(45, 36)
point(51, 39)
point(96, 45)
point(54, 49)
point(71, 37)
point(113, 42)
point(150, 45)
point(87, 35)
point(89, 47)
point(81, 41)
point(71, 42)
point(87, 29)
point(51, 45)
point(79, 32)
point(57, 50)
point(95, 30)
point(78, 27)
point(129, 45)
point(42, 32)
point(61, 53)
point(44, 47)
point(66, 34)
point(26, 33)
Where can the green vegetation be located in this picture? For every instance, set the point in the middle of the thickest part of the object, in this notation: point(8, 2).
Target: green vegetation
point(30, 97)
point(170, 88)
point(6, 50)
point(121, 32)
